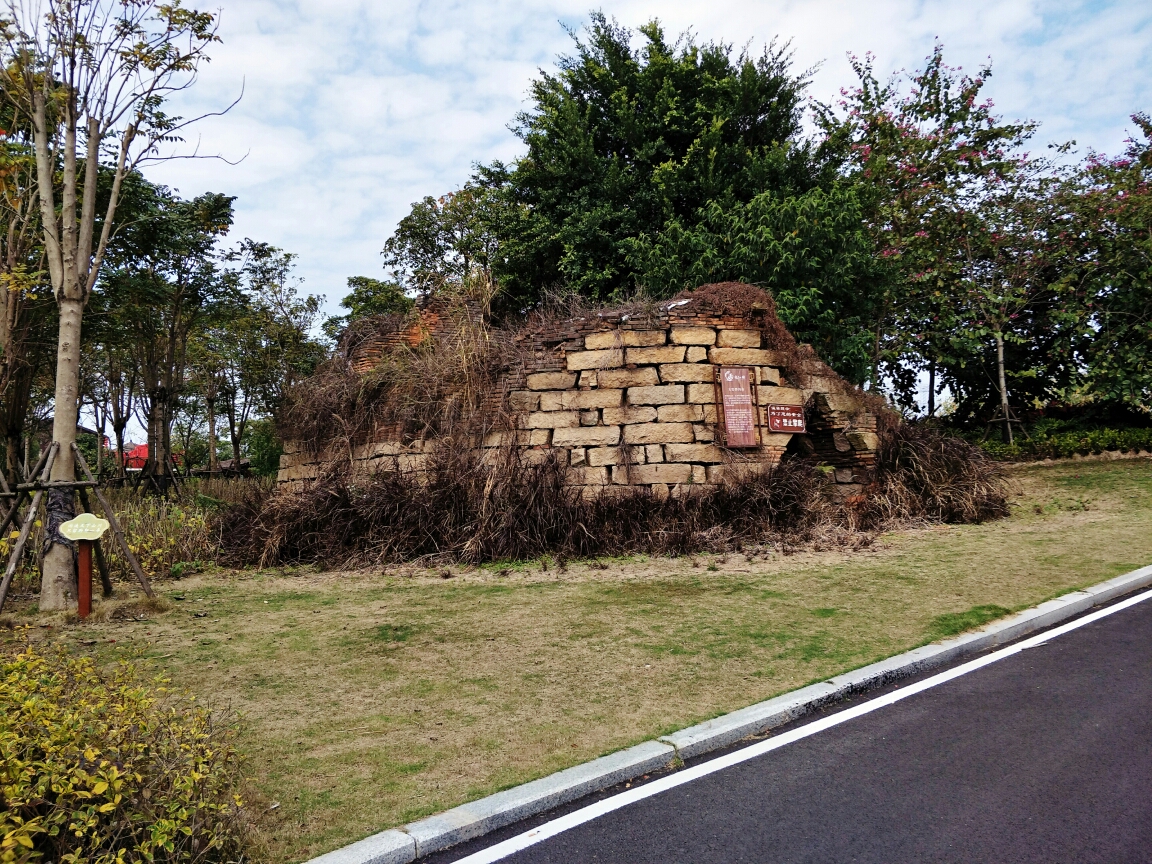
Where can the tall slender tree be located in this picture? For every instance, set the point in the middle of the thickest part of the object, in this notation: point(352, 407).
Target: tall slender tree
point(93, 75)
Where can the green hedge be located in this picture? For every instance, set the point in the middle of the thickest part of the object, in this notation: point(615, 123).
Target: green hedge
point(1044, 443)
point(109, 767)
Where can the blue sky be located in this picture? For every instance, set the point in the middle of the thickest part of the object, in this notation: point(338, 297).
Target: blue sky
point(353, 110)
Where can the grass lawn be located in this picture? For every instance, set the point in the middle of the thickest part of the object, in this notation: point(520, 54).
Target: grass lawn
point(374, 698)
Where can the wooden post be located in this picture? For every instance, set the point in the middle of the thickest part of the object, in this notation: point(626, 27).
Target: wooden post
point(84, 578)
point(101, 564)
point(111, 517)
point(18, 549)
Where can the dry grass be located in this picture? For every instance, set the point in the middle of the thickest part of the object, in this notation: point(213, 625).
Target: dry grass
point(378, 696)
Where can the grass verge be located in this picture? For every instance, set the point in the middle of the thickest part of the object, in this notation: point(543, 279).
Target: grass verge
point(377, 697)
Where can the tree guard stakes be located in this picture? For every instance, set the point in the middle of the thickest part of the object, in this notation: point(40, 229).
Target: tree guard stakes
point(83, 530)
point(42, 484)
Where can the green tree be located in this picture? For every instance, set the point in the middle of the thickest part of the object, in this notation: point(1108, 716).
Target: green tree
point(1112, 231)
point(923, 160)
point(163, 279)
point(92, 75)
point(367, 296)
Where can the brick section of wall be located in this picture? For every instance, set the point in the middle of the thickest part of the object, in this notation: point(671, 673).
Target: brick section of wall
point(632, 401)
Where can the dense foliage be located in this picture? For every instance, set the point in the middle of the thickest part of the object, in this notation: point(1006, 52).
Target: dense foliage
point(914, 235)
point(108, 767)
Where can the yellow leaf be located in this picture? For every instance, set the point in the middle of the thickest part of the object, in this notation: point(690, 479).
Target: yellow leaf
point(99, 787)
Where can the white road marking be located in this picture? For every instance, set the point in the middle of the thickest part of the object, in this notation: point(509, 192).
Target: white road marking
point(593, 811)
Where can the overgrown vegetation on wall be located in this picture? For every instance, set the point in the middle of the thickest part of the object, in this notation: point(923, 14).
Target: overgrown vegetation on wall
point(464, 507)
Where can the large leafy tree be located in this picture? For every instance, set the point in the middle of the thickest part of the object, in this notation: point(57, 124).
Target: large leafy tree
point(1111, 230)
point(164, 279)
point(925, 154)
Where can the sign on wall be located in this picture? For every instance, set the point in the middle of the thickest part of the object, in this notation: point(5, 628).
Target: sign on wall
point(785, 418)
point(739, 411)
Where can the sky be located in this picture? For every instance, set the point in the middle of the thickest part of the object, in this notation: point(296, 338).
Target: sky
point(351, 111)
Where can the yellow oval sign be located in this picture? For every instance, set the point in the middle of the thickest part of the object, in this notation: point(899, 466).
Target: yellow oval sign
point(84, 527)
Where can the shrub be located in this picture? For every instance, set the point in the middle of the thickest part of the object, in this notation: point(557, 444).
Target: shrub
point(1044, 442)
point(97, 768)
point(923, 473)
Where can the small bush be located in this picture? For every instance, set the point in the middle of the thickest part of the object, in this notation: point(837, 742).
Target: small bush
point(102, 768)
point(922, 473)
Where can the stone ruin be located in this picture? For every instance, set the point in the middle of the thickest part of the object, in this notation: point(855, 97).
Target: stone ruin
point(631, 397)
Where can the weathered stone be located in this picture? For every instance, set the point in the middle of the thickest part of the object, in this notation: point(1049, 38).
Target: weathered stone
point(741, 357)
point(550, 419)
point(600, 456)
point(669, 394)
point(781, 396)
point(590, 417)
point(693, 336)
point(623, 339)
point(588, 436)
point(501, 439)
point(769, 375)
point(570, 400)
point(687, 372)
point(588, 379)
point(659, 491)
point(658, 433)
point(641, 475)
point(622, 416)
point(538, 456)
point(711, 414)
point(693, 453)
point(738, 339)
point(643, 377)
point(863, 440)
point(703, 434)
point(610, 359)
point(702, 394)
point(774, 439)
point(680, 413)
point(540, 437)
point(696, 354)
point(523, 401)
point(663, 354)
point(412, 462)
point(654, 453)
point(699, 475)
point(551, 380)
point(587, 476)
point(844, 475)
point(835, 402)
point(840, 441)
point(577, 457)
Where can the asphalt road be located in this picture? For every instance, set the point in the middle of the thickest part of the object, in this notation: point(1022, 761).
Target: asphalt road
point(1045, 756)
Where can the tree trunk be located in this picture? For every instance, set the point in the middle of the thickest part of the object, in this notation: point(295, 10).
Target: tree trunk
point(1003, 387)
point(58, 577)
point(931, 389)
point(213, 461)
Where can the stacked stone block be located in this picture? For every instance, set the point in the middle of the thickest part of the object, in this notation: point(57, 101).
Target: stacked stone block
point(626, 401)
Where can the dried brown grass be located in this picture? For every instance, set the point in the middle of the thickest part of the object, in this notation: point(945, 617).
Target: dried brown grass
point(924, 474)
point(462, 507)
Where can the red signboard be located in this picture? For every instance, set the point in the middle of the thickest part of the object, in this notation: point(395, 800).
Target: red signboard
point(785, 418)
point(739, 412)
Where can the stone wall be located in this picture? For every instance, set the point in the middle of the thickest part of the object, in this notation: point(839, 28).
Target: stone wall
point(630, 399)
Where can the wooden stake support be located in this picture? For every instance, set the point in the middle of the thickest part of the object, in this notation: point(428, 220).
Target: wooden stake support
point(111, 517)
point(18, 549)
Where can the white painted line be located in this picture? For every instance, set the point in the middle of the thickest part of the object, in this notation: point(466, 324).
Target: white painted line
point(586, 814)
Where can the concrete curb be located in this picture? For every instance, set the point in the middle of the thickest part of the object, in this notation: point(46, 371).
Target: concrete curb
point(418, 839)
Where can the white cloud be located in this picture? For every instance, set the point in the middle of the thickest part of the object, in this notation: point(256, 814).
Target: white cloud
point(352, 110)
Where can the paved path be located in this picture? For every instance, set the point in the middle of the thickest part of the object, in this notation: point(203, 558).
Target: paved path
point(1045, 756)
